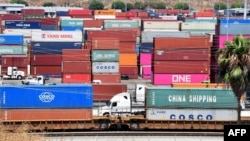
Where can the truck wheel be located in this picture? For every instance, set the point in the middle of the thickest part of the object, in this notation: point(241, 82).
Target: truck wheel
point(19, 77)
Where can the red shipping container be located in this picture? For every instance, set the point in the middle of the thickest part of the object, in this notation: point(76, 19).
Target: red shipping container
point(84, 17)
point(32, 11)
point(76, 55)
point(47, 70)
point(175, 42)
point(4, 70)
point(121, 14)
point(11, 17)
point(80, 12)
point(107, 78)
point(14, 60)
point(143, 14)
point(178, 54)
point(104, 92)
point(76, 78)
point(136, 30)
point(127, 47)
point(105, 43)
point(76, 67)
point(121, 35)
point(93, 23)
point(184, 67)
point(46, 59)
point(45, 114)
point(130, 71)
point(45, 21)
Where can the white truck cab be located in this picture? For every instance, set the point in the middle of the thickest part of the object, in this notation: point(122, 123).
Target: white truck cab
point(38, 80)
point(14, 73)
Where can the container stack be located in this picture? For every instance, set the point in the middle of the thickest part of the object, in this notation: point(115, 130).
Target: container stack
point(105, 14)
point(47, 23)
point(48, 45)
point(80, 13)
point(190, 104)
point(181, 60)
point(72, 24)
point(32, 13)
point(199, 25)
point(8, 17)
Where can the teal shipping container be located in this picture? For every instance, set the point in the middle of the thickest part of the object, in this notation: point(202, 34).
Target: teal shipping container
point(201, 20)
point(162, 97)
point(105, 55)
point(13, 49)
point(71, 22)
point(121, 24)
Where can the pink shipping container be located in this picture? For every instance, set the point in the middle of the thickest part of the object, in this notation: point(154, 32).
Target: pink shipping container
point(146, 71)
point(32, 11)
point(47, 70)
point(76, 78)
point(223, 38)
point(127, 47)
point(107, 78)
point(76, 67)
point(14, 60)
point(131, 71)
point(46, 59)
point(76, 55)
point(168, 79)
point(145, 58)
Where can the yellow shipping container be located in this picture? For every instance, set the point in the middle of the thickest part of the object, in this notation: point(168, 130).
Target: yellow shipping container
point(104, 12)
point(128, 59)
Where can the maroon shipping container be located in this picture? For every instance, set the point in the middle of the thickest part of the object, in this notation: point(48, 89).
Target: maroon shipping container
point(76, 55)
point(80, 12)
point(47, 70)
point(76, 78)
point(76, 67)
point(32, 11)
point(130, 71)
point(45, 21)
point(127, 47)
point(178, 54)
point(185, 67)
point(93, 23)
point(11, 17)
point(45, 114)
point(5, 69)
point(46, 59)
point(14, 60)
point(175, 42)
point(121, 35)
point(84, 17)
point(136, 30)
point(107, 78)
point(104, 92)
point(105, 43)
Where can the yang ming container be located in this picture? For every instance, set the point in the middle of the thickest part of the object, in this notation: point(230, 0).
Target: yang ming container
point(105, 55)
point(57, 36)
point(46, 96)
point(11, 39)
point(162, 97)
point(22, 24)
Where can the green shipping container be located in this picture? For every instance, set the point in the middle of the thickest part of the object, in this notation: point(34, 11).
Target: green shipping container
point(105, 55)
point(72, 22)
point(201, 20)
point(11, 49)
point(162, 97)
point(121, 24)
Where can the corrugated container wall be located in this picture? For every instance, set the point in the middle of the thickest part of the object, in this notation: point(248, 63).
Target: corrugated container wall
point(105, 55)
point(105, 43)
point(75, 55)
point(11, 39)
point(121, 35)
point(76, 78)
point(76, 67)
point(14, 60)
point(105, 67)
point(120, 24)
point(46, 59)
point(107, 78)
point(13, 49)
point(22, 24)
point(46, 70)
point(128, 59)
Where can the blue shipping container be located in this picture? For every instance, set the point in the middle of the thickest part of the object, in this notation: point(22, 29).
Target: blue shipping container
point(62, 13)
point(49, 27)
point(71, 28)
point(9, 39)
point(146, 48)
point(46, 96)
point(234, 21)
point(22, 24)
point(53, 47)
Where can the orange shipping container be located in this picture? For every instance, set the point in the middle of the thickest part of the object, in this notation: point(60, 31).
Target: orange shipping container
point(128, 59)
point(45, 114)
point(105, 12)
point(198, 85)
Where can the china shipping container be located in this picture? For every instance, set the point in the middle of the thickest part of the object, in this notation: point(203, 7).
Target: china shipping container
point(73, 22)
point(121, 35)
point(14, 60)
point(46, 59)
point(76, 67)
point(47, 96)
point(105, 67)
point(120, 24)
point(107, 77)
point(105, 43)
point(208, 98)
point(76, 78)
point(127, 59)
point(55, 71)
point(75, 55)
point(198, 67)
point(102, 55)
point(13, 49)
point(22, 24)
point(11, 39)
point(130, 71)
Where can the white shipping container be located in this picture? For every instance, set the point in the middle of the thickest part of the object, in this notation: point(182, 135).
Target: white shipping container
point(24, 32)
point(198, 26)
point(104, 17)
point(57, 36)
point(105, 67)
point(173, 25)
point(192, 114)
point(168, 17)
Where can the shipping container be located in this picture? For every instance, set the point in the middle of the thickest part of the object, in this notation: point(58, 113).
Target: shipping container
point(24, 32)
point(46, 96)
point(192, 114)
point(105, 55)
point(198, 26)
point(31, 11)
point(61, 13)
point(168, 79)
point(105, 43)
point(11, 39)
point(107, 77)
point(46, 59)
point(73, 22)
point(121, 35)
point(45, 114)
point(146, 48)
point(234, 29)
point(233, 21)
point(130, 71)
point(22, 25)
point(53, 47)
point(76, 78)
point(136, 30)
point(9, 16)
point(104, 92)
point(70, 28)
point(221, 39)
point(127, 47)
point(128, 59)
point(13, 49)
point(199, 85)
point(46, 70)
point(14, 60)
point(105, 67)
point(93, 23)
point(76, 67)
point(33, 16)
point(146, 72)
point(57, 36)
point(77, 12)
point(120, 24)
point(178, 54)
point(76, 55)
point(45, 21)
point(105, 12)
point(208, 98)
point(145, 58)
point(161, 24)
point(181, 67)
point(49, 27)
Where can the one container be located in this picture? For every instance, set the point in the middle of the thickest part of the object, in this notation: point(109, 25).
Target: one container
point(46, 70)
point(71, 23)
point(107, 78)
point(76, 67)
point(24, 32)
point(76, 55)
point(46, 59)
point(145, 58)
point(14, 60)
point(130, 71)
point(13, 49)
point(57, 36)
point(76, 78)
point(120, 24)
point(105, 55)
point(22, 25)
point(105, 67)
point(105, 43)
point(128, 59)
point(31, 11)
point(11, 39)
point(127, 47)
point(168, 79)
point(47, 96)
point(163, 97)
point(121, 35)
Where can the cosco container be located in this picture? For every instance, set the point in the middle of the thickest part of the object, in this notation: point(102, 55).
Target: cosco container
point(71, 23)
point(192, 114)
point(105, 67)
point(105, 55)
point(121, 24)
point(46, 96)
point(22, 24)
point(13, 49)
point(53, 47)
point(162, 97)
point(11, 39)
point(57, 36)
